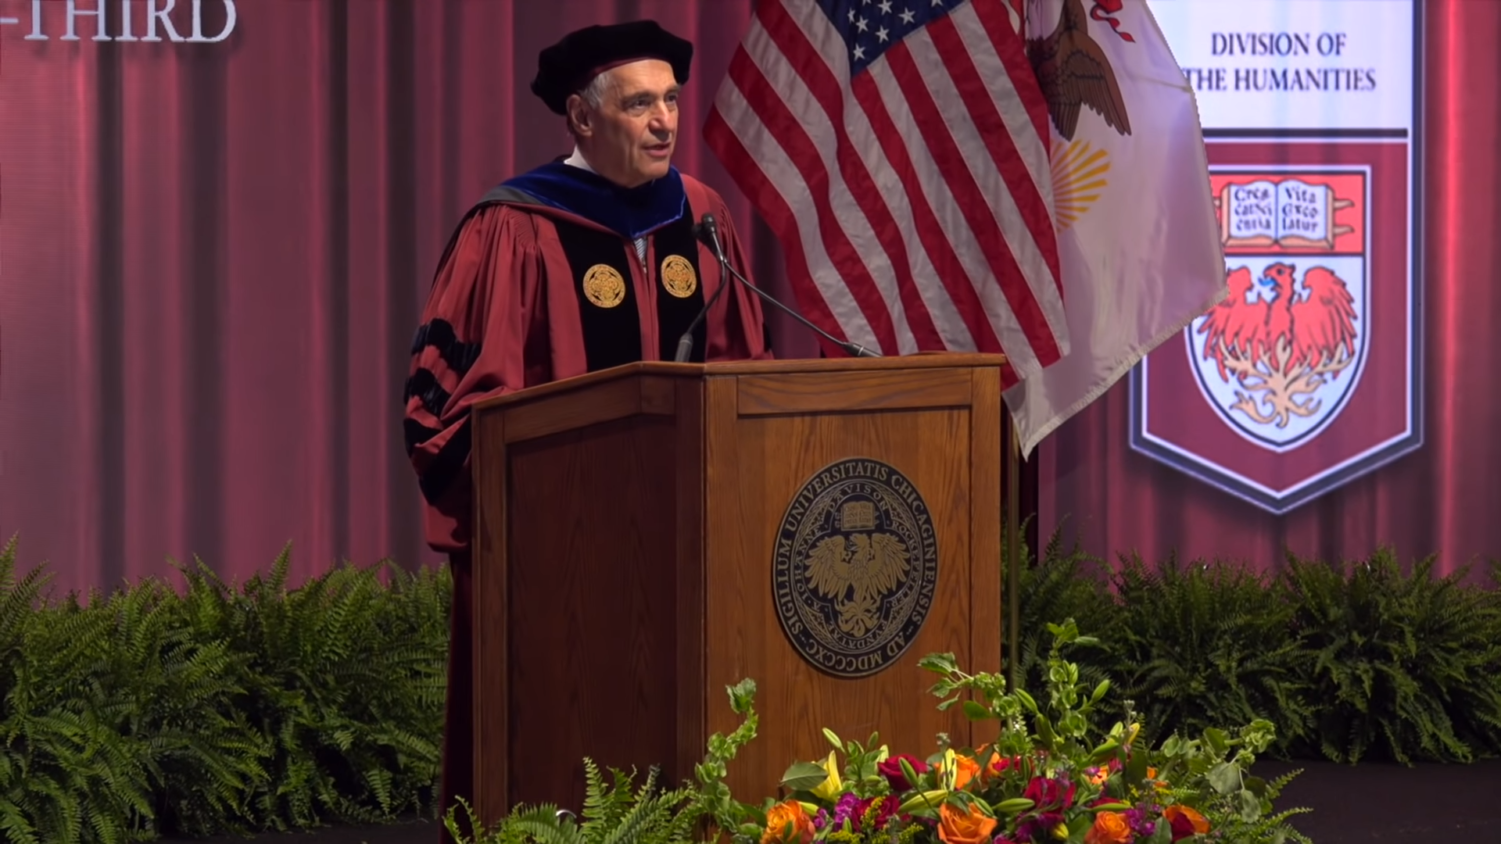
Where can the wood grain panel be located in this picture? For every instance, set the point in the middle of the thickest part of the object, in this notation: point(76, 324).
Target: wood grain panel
point(623, 554)
point(922, 360)
point(692, 647)
point(593, 619)
point(581, 408)
point(663, 369)
point(988, 434)
point(490, 666)
point(818, 392)
point(772, 458)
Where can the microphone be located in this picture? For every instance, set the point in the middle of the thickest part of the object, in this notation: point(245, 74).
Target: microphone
point(707, 230)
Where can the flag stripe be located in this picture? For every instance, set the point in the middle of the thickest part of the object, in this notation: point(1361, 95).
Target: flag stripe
point(1023, 225)
point(833, 124)
point(779, 215)
point(880, 132)
point(952, 274)
point(900, 139)
point(972, 57)
point(976, 230)
point(782, 129)
point(1028, 98)
point(850, 184)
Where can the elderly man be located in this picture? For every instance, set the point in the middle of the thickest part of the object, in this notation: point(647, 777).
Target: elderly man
point(587, 262)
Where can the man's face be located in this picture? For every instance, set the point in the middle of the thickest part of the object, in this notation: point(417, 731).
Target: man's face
point(629, 139)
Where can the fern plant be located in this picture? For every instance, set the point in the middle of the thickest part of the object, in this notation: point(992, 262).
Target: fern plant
point(151, 711)
point(66, 773)
point(1408, 665)
point(618, 811)
point(1060, 584)
point(347, 692)
point(1204, 644)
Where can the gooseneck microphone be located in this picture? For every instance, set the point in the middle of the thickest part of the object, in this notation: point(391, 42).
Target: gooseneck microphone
point(708, 231)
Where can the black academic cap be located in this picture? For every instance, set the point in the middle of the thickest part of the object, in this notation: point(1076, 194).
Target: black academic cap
point(567, 67)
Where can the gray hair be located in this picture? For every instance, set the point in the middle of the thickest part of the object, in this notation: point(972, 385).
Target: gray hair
point(594, 94)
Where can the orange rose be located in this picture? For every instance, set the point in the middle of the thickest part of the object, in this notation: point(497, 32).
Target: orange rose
point(1109, 828)
point(996, 766)
point(1185, 821)
point(965, 769)
point(956, 827)
point(787, 822)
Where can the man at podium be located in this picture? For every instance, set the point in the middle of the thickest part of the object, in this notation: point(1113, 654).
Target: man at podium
point(597, 259)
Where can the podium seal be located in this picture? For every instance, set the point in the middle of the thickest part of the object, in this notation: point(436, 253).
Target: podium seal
point(854, 568)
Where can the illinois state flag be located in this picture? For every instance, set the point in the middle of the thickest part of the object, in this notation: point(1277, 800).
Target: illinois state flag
point(1138, 241)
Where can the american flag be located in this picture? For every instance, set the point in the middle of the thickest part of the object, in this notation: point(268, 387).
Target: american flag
point(899, 150)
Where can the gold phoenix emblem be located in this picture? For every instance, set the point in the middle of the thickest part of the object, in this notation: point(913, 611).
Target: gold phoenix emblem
point(859, 581)
point(678, 276)
point(855, 567)
point(604, 286)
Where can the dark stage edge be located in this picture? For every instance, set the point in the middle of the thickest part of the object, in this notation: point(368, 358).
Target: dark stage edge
point(1350, 803)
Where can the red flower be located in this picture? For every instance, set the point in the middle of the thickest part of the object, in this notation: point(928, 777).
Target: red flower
point(891, 769)
point(1185, 822)
point(1050, 794)
point(884, 810)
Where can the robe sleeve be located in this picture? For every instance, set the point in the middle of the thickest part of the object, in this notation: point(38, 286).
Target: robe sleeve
point(742, 333)
point(469, 346)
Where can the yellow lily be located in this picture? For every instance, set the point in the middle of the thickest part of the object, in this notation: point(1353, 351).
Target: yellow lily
point(830, 787)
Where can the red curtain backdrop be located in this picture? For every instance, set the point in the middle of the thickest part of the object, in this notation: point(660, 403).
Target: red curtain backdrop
point(1440, 500)
point(212, 257)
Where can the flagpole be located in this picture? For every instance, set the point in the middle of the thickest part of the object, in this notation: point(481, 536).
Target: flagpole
point(1013, 554)
point(1013, 505)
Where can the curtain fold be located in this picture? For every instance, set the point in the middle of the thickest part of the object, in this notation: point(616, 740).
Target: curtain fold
point(212, 258)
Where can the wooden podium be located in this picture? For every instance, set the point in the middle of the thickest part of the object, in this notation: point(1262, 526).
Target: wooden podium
point(650, 534)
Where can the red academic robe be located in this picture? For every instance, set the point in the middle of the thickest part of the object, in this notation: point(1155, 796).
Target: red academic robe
point(513, 306)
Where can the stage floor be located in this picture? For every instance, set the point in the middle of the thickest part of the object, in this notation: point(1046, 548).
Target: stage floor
point(1361, 803)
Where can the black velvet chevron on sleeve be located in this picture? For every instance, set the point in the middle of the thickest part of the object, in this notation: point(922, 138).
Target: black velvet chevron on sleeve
point(423, 385)
point(440, 335)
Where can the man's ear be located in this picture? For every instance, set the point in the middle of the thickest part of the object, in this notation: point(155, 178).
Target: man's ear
point(578, 116)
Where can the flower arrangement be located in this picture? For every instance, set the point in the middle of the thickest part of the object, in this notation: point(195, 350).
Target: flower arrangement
point(1050, 775)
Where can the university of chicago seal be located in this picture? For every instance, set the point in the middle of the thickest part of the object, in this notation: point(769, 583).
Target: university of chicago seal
point(854, 567)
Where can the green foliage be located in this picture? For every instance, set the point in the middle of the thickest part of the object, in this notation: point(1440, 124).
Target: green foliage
point(618, 811)
point(213, 708)
point(1206, 644)
point(1407, 663)
point(153, 710)
point(1363, 660)
point(1070, 584)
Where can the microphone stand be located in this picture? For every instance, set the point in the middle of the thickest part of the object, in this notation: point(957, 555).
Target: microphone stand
point(708, 231)
point(853, 349)
point(685, 344)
